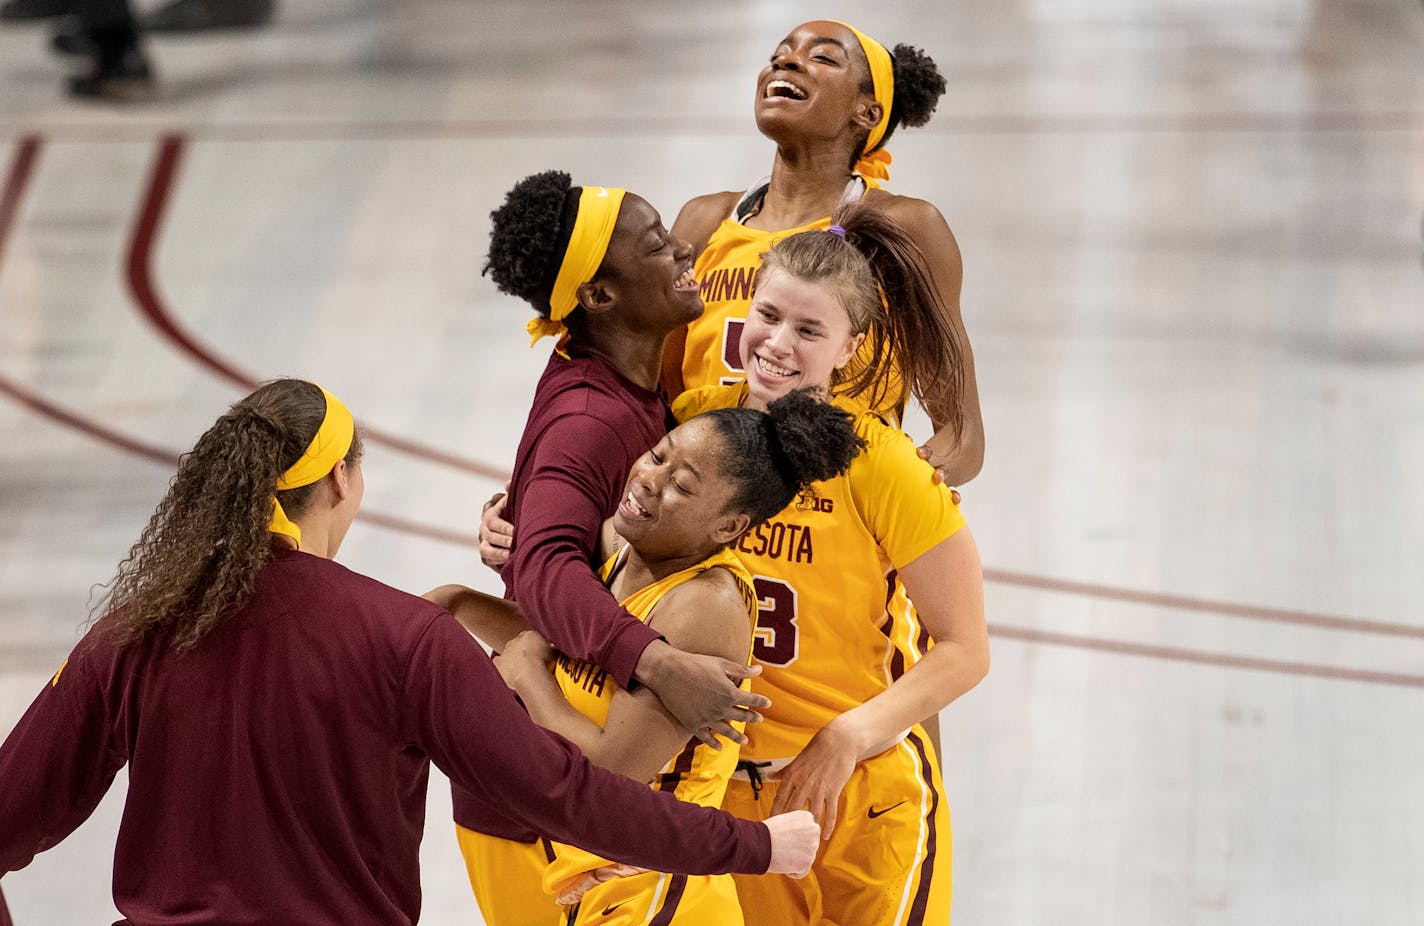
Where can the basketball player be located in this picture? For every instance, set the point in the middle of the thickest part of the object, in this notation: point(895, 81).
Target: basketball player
point(703, 486)
point(278, 713)
point(608, 282)
point(848, 662)
point(830, 98)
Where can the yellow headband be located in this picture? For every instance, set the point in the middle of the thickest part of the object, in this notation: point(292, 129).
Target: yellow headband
point(593, 229)
point(882, 79)
point(330, 445)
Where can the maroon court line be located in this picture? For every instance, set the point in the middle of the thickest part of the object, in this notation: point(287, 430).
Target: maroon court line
point(1178, 654)
point(169, 458)
point(1203, 605)
point(16, 181)
point(1389, 120)
point(148, 300)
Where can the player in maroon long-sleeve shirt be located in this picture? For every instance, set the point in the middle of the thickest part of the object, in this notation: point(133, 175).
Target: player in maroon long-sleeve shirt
point(604, 275)
point(279, 713)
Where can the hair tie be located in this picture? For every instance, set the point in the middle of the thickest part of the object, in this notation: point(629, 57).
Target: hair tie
point(837, 231)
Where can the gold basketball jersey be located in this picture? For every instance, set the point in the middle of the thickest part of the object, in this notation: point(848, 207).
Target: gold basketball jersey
point(834, 625)
point(698, 773)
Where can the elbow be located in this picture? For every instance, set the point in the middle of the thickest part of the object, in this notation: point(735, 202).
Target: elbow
point(970, 458)
point(981, 663)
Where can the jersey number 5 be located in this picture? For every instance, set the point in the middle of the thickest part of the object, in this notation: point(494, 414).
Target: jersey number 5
point(777, 641)
point(732, 348)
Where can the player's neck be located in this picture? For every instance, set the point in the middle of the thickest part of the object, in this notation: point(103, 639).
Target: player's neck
point(640, 572)
point(805, 186)
point(637, 355)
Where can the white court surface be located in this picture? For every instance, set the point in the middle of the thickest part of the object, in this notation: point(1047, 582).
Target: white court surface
point(1194, 281)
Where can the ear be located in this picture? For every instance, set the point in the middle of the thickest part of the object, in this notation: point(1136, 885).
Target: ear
point(595, 297)
point(867, 114)
point(730, 527)
point(340, 477)
point(852, 346)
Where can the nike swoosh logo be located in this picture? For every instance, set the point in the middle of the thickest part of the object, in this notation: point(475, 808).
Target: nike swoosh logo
point(609, 910)
point(603, 194)
point(873, 813)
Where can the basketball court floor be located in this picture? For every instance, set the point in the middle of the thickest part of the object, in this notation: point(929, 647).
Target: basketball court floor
point(1194, 281)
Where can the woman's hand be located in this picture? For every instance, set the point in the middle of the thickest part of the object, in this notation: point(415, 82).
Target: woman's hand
point(816, 778)
point(526, 653)
point(941, 476)
point(496, 534)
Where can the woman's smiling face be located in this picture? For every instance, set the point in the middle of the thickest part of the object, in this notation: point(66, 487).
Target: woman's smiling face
point(676, 497)
point(797, 335)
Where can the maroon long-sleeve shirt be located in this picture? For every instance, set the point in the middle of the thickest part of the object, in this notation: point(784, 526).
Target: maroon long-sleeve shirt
point(587, 427)
point(278, 771)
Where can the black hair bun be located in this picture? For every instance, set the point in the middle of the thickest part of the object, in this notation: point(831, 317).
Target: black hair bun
point(918, 86)
point(817, 439)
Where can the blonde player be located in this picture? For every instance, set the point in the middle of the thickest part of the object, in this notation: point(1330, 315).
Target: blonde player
point(838, 639)
point(698, 490)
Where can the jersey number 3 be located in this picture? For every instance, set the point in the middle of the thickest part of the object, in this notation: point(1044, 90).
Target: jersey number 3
point(777, 640)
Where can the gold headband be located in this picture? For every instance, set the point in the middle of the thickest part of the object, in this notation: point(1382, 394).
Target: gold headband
point(882, 79)
point(593, 229)
point(330, 445)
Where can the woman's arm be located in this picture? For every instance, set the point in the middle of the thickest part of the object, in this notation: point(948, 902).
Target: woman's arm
point(493, 621)
point(956, 459)
point(59, 760)
point(705, 615)
point(947, 585)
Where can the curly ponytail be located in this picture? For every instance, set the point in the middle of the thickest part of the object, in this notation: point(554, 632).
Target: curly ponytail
point(198, 558)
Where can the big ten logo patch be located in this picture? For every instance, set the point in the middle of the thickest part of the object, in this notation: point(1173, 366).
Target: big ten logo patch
point(810, 501)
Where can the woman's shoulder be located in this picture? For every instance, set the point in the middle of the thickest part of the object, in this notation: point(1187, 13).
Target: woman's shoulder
point(889, 452)
point(701, 399)
point(914, 215)
point(701, 215)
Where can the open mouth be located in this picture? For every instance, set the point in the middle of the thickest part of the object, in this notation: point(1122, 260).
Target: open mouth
point(686, 283)
point(783, 89)
point(773, 369)
point(631, 510)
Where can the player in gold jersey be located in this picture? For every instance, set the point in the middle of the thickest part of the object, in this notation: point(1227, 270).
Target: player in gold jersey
point(848, 662)
point(830, 98)
point(687, 499)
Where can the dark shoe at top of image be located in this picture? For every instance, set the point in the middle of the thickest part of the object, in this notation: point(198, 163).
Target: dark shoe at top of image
point(117, 75)
point(21, 10)
point(70, 37)
point(201, 15)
